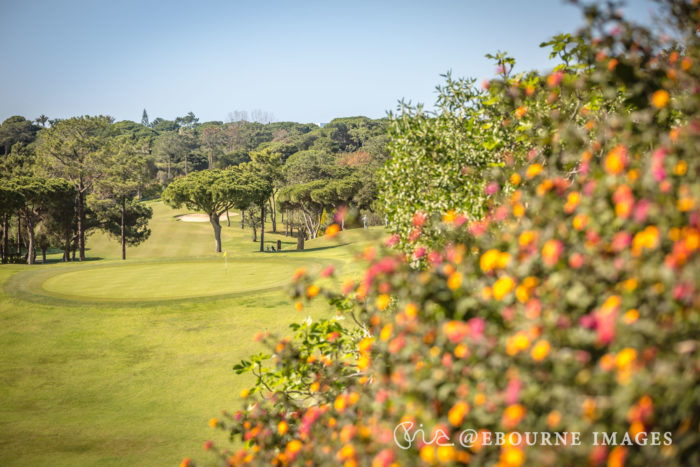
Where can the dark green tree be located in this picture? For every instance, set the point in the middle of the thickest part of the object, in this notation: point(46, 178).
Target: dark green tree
point(125, 175)
point(209, 191)
point(74, 149)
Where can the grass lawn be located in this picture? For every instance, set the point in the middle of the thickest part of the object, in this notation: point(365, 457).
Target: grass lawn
point(112, 362)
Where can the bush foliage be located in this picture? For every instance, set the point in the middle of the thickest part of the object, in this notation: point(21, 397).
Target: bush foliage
point(547, 279)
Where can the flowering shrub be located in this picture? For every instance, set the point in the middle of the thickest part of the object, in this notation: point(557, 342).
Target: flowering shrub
point(570, 306)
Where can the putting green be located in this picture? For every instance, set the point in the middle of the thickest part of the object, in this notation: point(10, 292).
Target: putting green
point(163, 281)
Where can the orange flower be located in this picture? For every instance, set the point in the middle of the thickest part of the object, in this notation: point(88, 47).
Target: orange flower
point(457, 413)
point(312, 291)
point(315, 386)
point(332, 230)
point(526, 238)
point(515, 179)
point(282, 427)
point(461, 351)
point(245, 393)
point(616, 160)
point(339, 403)
point(213, 422)
point(572, 202)
point(298, 274)
point(520, 112)
point(551, 251)
point(298, 306)
point(660, 98)
point(553, 418)
point(580, 221)
point(513, 415)
point(455, 280)
point(617, 457)
point(383, 301)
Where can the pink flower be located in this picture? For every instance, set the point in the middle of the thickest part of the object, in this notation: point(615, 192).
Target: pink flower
point(419, 252)
point(641, 210)
point(392, 240)
point(513, 391)
point(621, 240)
point(328, 271)
point(476, 327)
point(492, 188)
point(419, 219)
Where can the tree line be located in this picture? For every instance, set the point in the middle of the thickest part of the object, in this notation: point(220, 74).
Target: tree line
point(62, 179)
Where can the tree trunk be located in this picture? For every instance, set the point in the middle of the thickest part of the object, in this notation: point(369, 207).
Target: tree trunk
point(43, 255)
point(186, 165)
point(242, 219)
point(19, 233)
point(5, 238)
point(81, 221)
point(300, 240)
point(123, 228)
point(31, 253)
point(228, 219)
point(214, 219)
point(262, 227)
point(273, 213)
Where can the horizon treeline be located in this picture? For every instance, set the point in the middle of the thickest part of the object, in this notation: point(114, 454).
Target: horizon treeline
point(62, 179)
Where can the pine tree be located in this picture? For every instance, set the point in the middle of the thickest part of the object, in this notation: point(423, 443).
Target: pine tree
point(144, 118)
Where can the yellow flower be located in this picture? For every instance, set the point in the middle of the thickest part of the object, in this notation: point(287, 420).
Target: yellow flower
point(625, 358)
point(630, 316)
point(580, 222)
point(315, 386)
point(411, 310)
point(502, 287)
point(515, 179)
point(282, 428)
point(660, 98)
point(445, 454)
point(533, 170)
point(339, 403)
point(480, 399)
point(461, 351)
point(681, 168)
point(213, 422)
point(427, 453)
point(386, 331)
point(512, 457)
point(489, 260)
point(245, 393)
point(449, 216)
point(540, 350)
point(526, 238)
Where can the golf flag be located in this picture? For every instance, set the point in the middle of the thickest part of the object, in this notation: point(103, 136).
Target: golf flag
point(225, 253)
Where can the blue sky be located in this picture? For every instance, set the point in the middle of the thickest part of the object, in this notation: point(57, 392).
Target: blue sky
point(306, 61)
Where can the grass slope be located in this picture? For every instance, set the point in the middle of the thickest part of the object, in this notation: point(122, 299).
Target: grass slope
point(122, 363)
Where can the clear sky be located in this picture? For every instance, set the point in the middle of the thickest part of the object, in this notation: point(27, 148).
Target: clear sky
point(305, 61)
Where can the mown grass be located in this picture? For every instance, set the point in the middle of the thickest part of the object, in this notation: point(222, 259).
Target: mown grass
point(122, 363)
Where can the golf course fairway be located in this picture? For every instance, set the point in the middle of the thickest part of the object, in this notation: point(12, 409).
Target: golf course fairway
point(112, 362)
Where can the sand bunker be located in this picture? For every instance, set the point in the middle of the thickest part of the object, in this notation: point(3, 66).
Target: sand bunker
point(202, 217)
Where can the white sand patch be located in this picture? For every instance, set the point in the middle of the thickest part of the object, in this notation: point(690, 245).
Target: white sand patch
point(202, 217)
